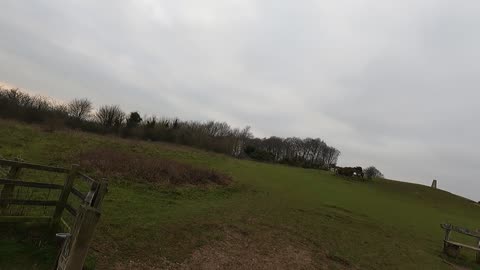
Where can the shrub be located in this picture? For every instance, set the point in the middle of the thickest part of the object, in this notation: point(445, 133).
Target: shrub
point(258, 154)
point(346, 171)
point(138, 167)
point(249, 150)
point(54, 123)
point(372, 172)
point(134, 120)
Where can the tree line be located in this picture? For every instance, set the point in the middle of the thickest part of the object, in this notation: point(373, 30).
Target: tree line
point(308, 152)
point(210, 135)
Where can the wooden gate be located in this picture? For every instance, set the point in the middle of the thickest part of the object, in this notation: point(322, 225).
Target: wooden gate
point(85, 216)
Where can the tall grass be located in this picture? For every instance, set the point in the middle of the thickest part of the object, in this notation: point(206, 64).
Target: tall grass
point(138, 167)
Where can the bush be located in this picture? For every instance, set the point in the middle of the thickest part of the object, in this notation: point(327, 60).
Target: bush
point(372, 172)
point(54, 123)
point(134, 120)
point(258, 154)
point(249, 150)
point(138, 167)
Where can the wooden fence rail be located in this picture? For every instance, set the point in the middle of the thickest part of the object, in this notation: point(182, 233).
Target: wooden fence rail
point(78, 193)
point(74, 250)
point(19, 164)
point(452, 248)
point(21, 183)
point(30, 202)
point(71, 210)
point(87, 178)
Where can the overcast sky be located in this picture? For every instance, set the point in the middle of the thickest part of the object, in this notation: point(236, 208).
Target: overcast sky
point(389, 83)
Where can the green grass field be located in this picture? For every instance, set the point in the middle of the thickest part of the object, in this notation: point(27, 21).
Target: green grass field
point(23, 248)
point(272, 216)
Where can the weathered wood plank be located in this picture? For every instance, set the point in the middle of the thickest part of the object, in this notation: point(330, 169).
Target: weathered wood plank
point(87, 178)
point(71, 210)
point(464, 245)
point(8, 189)
point(22, 183)
point(29, 202)
point(73, 254)
point(79, 194)
point(445, 240)
point(478, 245)
point(91, 194)
point(21, 219)
point(66, 227)
point(25, 165)
point(62, 200)
point(102, 190)
point(460, 230)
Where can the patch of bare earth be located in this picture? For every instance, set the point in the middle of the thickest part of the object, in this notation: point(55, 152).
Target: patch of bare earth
point(240, 250)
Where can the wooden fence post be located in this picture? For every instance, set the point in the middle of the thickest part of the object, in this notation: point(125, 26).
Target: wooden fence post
point(63, 198)
point(478, 245)
point(478, 252)
point(8, 189)
point(100, 194)
point(75, 251)
point(447, 237)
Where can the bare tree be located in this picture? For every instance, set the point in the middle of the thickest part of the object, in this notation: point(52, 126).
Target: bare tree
point(110, 116)
point(79, 108)
point(211, 135)
point(308, 152)
point(240, 140)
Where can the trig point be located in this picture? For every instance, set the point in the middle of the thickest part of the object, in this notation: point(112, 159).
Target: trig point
point(434, 184)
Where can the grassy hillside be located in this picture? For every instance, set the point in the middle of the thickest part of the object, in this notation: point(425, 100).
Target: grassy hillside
point(272, 216)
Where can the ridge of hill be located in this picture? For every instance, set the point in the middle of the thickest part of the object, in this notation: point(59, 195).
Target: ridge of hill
point(270, 216)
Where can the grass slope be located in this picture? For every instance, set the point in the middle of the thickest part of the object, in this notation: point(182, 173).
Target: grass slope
point(272, 216)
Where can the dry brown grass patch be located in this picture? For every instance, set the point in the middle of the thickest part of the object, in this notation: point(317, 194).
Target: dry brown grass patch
point(142, 168)
point(248, 250)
